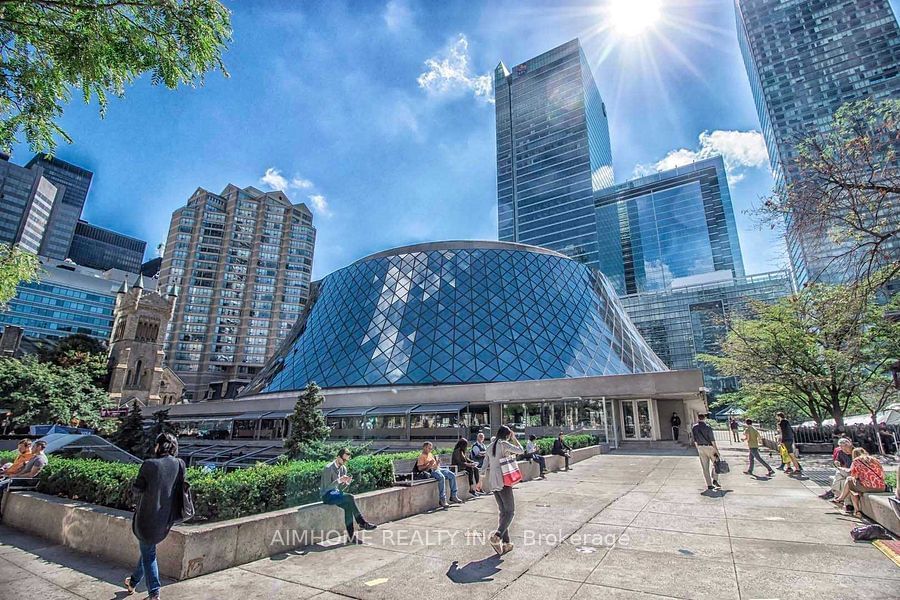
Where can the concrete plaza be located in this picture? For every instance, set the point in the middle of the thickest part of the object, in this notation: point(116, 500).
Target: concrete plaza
point(618, 526)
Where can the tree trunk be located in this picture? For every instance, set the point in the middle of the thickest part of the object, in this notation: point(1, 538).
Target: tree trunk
point(877, 434)
point(837, 413)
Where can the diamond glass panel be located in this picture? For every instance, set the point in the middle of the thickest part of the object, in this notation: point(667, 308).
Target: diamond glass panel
point(459, 313)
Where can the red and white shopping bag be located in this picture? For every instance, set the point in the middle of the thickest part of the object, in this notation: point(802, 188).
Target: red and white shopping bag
point(510, 469)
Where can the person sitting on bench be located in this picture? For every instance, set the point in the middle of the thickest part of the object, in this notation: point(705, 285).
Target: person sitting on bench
point(428, 463)
point(561, 448)
point(334, 480)
point(531, 453)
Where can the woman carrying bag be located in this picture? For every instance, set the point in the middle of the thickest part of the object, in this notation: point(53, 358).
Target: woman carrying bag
point(163, 498)
point(501, 472)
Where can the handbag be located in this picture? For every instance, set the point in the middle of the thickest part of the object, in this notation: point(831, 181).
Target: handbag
point(510, 469)
point(187, 502)
point(722, 466)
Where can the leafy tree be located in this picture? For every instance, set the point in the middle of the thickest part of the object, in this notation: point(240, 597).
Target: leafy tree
point(130, 435)
point(50, 47)
point(39, 392)
point(16, 266)
point(307, 423)
point(821, 352)
point(845, 186)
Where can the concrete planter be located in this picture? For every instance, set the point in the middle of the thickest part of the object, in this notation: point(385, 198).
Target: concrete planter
point(193, 550)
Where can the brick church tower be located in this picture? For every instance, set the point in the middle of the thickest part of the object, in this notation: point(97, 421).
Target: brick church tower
point(136, 347)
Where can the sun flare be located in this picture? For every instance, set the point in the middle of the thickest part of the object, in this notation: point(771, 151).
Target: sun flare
point(634, 17)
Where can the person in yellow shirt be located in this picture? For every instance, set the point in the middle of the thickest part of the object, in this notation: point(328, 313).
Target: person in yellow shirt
point(751, 436)
point(25, 454)
point(428, 463)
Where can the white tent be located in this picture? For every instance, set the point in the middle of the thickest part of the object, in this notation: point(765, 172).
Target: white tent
point(889, 416)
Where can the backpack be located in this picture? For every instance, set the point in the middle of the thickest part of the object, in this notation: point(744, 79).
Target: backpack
point(868, 533)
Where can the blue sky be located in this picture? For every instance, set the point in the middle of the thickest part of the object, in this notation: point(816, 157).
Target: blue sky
point(374, 114)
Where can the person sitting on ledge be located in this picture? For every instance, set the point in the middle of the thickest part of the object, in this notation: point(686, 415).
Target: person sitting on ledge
point(531, 453)
point(462, 463)
point(29, 470)
point(24, 448)
point(561, 448)
point(866, 476)
point(428, 463)
point(334, 478)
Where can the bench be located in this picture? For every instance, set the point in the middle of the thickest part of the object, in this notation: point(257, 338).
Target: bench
point(406, 475)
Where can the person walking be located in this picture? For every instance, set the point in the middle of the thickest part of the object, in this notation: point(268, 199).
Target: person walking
point(332, 484)
point(561, 448)
point(705, 442)
point(158, 492)
point(531, 453)
point(675, 421)
point(503, 446)
point(428, 463)
point(786, 437)
point(462, 463)
point(733, 425)
point(751, 436)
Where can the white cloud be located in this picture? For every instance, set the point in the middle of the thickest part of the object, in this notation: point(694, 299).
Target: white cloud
point(274, 180)
point(320, 205)
point(451, 74)
point(397, 15)
point(739, 149)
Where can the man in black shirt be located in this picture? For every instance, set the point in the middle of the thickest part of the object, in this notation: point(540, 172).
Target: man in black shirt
point(676, 425)
point(705, 442)
point(786, 437)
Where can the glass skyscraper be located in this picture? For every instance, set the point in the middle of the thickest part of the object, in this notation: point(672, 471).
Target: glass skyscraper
point(668, 230)
point(553, 152)
point(74, 183)
point(100, 248)
point(804, 60)
point(26, 202)
point(681, 323)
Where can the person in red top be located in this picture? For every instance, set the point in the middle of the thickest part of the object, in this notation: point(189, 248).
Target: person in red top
point(866, 476)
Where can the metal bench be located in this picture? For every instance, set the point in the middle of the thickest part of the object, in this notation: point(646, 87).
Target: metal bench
point(405, 472)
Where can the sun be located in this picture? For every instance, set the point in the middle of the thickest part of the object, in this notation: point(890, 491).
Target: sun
point(634, 17)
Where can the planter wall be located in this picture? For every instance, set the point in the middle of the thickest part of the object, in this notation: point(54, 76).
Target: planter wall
point(193, 550)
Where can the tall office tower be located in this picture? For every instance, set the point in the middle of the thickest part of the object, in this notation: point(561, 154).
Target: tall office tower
point(668, 230)
point(241, 261)
point(67, 208)
point(552, 152)
point(805, 59)
point(26, 202)
point(103, 249)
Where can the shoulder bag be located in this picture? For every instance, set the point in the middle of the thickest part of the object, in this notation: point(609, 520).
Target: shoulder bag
point(510, 469)
point(187, 502)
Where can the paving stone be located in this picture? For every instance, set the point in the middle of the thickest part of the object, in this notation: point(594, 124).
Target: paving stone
point(666, 574)
point(543, 588)
point(819, 558)
point(769, 582)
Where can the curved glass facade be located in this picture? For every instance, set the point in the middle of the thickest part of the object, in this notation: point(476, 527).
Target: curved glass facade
point(459, 312)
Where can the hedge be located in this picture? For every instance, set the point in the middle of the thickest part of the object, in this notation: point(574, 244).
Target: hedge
point(219, 495)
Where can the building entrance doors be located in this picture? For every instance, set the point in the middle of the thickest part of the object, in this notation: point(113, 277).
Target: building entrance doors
point(636, 421)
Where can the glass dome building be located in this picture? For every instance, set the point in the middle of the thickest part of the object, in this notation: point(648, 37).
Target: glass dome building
point(458, 312)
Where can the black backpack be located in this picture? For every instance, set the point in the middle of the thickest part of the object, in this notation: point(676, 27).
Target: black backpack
point(867, 533)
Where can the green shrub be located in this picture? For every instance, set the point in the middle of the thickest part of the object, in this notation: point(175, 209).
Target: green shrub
point(7, 456)
point(582, 440)
point(219, 495)
point(890, 478)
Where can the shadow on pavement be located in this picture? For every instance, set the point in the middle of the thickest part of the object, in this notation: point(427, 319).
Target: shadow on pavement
point(478, 571)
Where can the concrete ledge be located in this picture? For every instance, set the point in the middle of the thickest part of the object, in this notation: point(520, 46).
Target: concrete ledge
point(878, 508)
point(193, 550)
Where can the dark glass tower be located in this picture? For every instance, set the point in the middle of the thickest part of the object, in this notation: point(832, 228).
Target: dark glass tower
point(66, 210)
point(553, 152)
point(669, 229)
point(805, 59)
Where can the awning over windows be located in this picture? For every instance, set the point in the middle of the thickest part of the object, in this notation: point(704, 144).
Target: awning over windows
point(433, 409)
point(400, 409)
point(278, 414)
point(348, 411)
point(252, 416)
